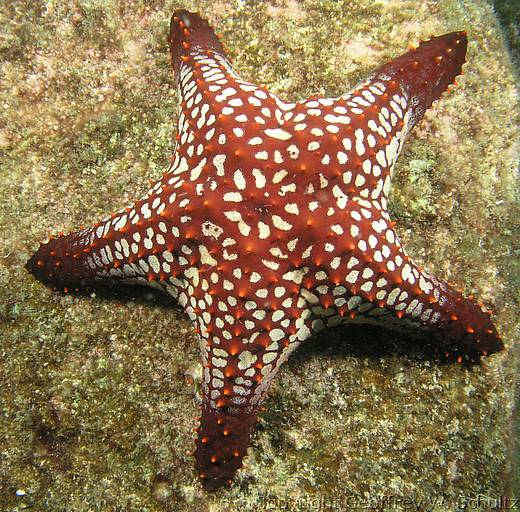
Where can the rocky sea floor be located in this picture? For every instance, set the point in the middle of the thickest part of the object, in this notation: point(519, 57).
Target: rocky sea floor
point(99, 394)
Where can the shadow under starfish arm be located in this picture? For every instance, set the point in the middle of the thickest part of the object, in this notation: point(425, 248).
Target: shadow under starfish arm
point(271, 224)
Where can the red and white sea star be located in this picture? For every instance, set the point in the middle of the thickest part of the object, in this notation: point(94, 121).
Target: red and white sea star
point(271, 224)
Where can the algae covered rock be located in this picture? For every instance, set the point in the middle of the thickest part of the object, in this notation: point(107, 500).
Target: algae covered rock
point(99, 394)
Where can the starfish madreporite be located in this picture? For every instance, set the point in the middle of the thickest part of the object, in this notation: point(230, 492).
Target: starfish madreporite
point(271, 224)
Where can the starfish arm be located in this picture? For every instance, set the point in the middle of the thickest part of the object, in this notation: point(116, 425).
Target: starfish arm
point(246, 333)
point(139, 244)
point(377, 282)
point(220, 113)
point(235, 385)
point(355, 139)
point(236, 378)
point(209, 88)
point(234, 390)
point(424, 73)
point(207, 83)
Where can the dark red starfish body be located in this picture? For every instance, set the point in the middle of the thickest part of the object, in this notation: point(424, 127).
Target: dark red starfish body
point(271, 225)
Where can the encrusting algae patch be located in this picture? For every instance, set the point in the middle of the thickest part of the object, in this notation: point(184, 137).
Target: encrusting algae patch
point(100, 394)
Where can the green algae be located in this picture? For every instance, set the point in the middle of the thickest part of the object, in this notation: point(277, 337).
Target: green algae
point(509, 16)
point(98, 395)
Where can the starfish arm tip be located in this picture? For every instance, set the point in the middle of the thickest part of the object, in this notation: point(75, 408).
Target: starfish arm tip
point(426, 72)
point(222, 443)
point(59, 262)
point(189, 34)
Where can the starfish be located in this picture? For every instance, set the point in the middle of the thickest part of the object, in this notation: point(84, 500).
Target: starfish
point(271, 224)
